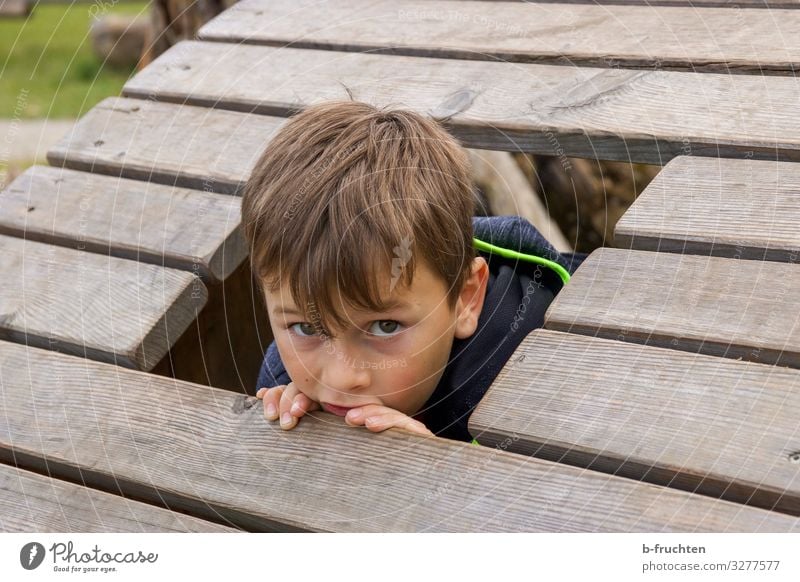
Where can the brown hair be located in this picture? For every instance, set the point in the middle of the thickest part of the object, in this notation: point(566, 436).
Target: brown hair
point(345, 192)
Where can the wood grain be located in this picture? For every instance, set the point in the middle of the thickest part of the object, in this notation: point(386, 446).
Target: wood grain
point(614, 114)
point(185, 146)
point(711, 425)
point(104, 308)
point(209, 452)
point(175, 227)
point(722, 307)
point(669, 38)
point(769, 4)
point(729, 208)
point(37, 503)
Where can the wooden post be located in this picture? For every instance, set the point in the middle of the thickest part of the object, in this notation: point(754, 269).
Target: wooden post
point(15, 8)
point(172, 21)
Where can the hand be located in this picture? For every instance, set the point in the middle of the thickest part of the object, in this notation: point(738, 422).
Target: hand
point(286, 403)
point(378, 418)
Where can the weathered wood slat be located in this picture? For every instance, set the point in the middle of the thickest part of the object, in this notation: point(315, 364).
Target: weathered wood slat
point(175, 227)
point(206, 451)
point(677, 38)
point(712, 425)
point(731, 208)
point(104, 308)
point(191, 147)
point(770, 4)
point(722, 307)
point(36, 503)
point(644, 116)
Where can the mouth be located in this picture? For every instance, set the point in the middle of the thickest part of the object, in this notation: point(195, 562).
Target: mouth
point(337, 410)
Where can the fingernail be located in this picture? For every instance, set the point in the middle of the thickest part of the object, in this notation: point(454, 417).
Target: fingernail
point(286, 418)
point(354, 414)
point(271, 410)
point(260, 392)
point(296, 410)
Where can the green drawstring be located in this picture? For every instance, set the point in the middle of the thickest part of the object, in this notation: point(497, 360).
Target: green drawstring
point(475, 442)
point(509, 254)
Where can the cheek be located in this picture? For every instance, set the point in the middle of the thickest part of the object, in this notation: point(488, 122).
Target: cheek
point(300, 364)
point(412, 375)
point(409, 389)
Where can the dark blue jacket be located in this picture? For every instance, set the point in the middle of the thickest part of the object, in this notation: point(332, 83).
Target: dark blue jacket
point(517, 296)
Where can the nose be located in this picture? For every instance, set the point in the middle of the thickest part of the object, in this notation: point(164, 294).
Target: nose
point(343, 372)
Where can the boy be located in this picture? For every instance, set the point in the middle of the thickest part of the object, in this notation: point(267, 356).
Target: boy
point(360, 225)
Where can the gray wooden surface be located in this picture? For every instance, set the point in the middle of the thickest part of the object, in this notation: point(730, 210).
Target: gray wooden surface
point(191, 147)
point(644, 116)
point(731, 208)
point(722, 307)
point(175, 227)
point(734, 4)
point(679, 38)
point(711, 425)
point(32, 502)
point(206, 452)
point(100, 307)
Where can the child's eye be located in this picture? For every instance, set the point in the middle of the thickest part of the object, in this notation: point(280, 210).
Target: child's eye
point(385, 327)
point(303, 329)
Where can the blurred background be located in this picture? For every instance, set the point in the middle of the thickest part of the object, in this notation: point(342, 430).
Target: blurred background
point(59, 58)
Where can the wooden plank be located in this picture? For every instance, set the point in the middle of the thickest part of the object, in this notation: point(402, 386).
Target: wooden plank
point(104, 308)
point(769, 4)
point(36, 503)
point(729, 208)
point(175, 227)
point(711, 425)
point(669, 38)
point(191, 147)
point(644, 116)
point(201, 450)
point(711, 305)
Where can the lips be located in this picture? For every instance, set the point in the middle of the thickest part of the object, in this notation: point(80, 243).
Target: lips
point(337, 410)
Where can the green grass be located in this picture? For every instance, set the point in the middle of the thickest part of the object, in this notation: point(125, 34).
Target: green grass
point(47, 67)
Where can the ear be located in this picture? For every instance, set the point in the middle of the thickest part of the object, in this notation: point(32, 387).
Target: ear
point(470, 301)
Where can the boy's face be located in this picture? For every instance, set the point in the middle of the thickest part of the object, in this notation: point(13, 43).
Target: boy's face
point(393, 358)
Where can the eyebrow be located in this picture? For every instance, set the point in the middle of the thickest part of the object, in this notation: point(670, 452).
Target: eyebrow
point(395, 304)
point(389, 306)
point(285, 311)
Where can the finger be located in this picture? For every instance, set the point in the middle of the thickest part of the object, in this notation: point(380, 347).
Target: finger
point(288, 421)
point(381, 422)
point(271, 398)
point(303, 404)
point(397, 420)
point(417, 427)
point(379, 418)
point(357, 416)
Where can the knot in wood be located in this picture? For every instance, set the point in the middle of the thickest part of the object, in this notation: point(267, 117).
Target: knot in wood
point(242, 403)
